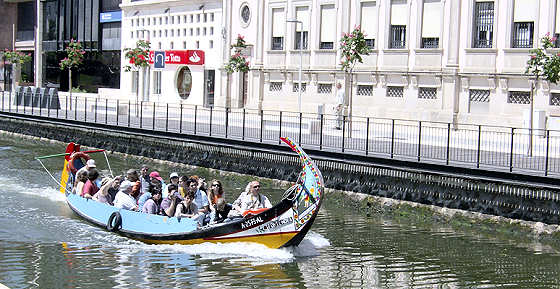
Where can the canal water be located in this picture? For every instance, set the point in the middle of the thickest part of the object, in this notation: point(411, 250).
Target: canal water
point(43, 244)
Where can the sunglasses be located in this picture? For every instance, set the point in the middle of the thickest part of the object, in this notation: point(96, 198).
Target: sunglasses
point(257, 186)
point(215, 185)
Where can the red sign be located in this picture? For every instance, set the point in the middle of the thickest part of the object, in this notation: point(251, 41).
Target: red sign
point(189, 57)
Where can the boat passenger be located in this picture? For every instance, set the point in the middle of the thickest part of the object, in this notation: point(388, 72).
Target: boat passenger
point(114, 188)
point(81, 179)
point(144, 178)
point(132, 176)
point(182, 186)
point(154, 181)
point(103, 195)
point(235, 211)
point(218, 204)
point(90, 187)
point(169, 204)
point(200, 198)
point(90, 164)
point(124, 199)
point(152, 205)
point(201, 183)
point(254, 199)
point(173, 179)
point(187, 208)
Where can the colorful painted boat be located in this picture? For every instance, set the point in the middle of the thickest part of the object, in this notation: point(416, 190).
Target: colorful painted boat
point(285, 224)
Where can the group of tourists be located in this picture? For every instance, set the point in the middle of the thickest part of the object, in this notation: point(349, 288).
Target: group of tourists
point(182, 196)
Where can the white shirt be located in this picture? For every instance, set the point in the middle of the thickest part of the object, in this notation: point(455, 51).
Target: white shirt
point(252, 202)
point(340, 96)
point(124, 201)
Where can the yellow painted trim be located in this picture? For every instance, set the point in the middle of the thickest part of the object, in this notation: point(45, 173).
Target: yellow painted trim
point(64, 177)
point(273, 241)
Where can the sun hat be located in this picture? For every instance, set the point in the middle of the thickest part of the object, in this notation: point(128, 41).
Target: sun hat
point(125, 186)
point(155, 175)
point(173, 175)
point(91, 163)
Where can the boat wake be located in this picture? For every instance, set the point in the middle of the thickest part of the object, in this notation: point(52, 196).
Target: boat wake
point(48, 192)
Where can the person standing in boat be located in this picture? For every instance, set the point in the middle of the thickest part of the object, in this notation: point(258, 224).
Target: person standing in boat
point(124, 199)
point(155, 180)
point(132, 176)
point(144, 178)
point(254, 199)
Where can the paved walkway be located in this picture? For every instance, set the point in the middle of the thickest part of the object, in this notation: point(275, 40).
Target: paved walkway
point(494, 148)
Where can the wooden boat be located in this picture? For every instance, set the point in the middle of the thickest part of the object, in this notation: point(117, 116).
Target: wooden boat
point(285, 224)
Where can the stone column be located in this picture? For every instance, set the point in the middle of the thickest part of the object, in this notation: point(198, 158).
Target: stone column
point(39, 45)
point(451, 86)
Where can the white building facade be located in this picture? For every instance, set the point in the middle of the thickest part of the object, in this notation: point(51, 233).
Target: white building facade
point(190, 34)
point(437, 60)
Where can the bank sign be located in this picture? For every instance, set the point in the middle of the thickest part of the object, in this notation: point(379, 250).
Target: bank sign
point(188, 57)
point(113, 16)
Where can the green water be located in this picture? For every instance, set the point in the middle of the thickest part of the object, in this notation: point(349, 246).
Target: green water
point(43, 244)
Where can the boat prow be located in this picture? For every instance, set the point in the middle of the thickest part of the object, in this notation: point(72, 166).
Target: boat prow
point(285, 224)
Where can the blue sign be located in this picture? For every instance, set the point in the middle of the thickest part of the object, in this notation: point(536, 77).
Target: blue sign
point(113, 16)
point(159, 59)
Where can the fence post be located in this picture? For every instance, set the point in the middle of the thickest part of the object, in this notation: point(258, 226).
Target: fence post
point(66, 110)
point(448, 143)
point(547, 151)
point(195, 117)
point(227, 120)
point(10, 102)
point(511, 152)
point(300, 117)
point(280, 129)
point(32, 99)
point(75, 108)
point(367, 135)
point(154, 117)
point(262, 121)
point(419, 139)
point(478, 147)
point(181, 118)
point(166, 117)
point(243, 126)
point(117, 112)
point(128, 113)
point(106, 111)
point(343, 130)
point(95, 113)
point(392, 138)
point(210, 125)
point(321, 133)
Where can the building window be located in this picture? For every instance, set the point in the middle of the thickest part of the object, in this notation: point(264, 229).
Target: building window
point(165, 32)
point(192, 18)
point(519, 97)
point(211, 30)
point(324, 88)
point(172, 19)
point(131, 34)
point(134, 86)
point(157, 82)
point(184, 82)
point(555, 99)
point(197, 31)
point(211, 44)
point(366, 90)
point(184, 18)
point(328, 27)
point(143, 21)
point(302, 30)
point(368, 22)
point(149, 21)
point(523, 34)
point(166, 20)
point(197, 44)
point(296, 87)
point(483, 31)
point(184, 44)
point(198, 18)
point(132, 22)
point(275, 86)
point(211, 17)
point(399, 17)
point(160, 33)
point(172, 32)
point(398, 36)
point(204, 31)
point(171, 45)
point(154, 33)
point(479, 95)
point(178, 19)
point(184, 31)
point(160, 21)
point(427, 93)
point(278, 25)
point(395, 91)
point(431, 23)
point(191, 31)
point(245, 14)
point(205, 17)
point(159, 45)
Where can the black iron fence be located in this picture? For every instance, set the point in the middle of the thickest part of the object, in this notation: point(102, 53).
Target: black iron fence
point(464, 145)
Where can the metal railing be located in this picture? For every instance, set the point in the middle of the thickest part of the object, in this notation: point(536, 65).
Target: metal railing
point(463, 145)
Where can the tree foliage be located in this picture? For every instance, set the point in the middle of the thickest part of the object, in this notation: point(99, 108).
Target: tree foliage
point(74, 55)
point(543, 63)
point(238, 62)
point(352, 46)
point(17, 57)
point(137, 57)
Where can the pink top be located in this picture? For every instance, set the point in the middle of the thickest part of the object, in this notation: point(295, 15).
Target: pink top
point(89, 188)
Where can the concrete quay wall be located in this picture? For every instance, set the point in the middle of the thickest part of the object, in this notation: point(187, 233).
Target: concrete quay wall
point(526, 201)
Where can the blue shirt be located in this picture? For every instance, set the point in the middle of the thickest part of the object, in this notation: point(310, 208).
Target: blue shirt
point(200, 199)
point(143, 199)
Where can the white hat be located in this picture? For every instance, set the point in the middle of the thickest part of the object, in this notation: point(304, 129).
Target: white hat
point(125, 186)
point(173, 175)
point(91, 163)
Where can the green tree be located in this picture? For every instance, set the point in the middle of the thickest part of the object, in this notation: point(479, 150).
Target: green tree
point(138, 59)
point(74, 58)
point(542, 64)
point(237, 62)
point(352, 47)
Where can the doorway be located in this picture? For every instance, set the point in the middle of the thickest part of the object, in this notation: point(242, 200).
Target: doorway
point(209, 80)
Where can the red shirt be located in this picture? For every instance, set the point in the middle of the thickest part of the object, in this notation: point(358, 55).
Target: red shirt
point(89, 188)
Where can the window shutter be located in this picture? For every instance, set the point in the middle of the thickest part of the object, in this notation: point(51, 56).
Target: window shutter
point(328, 23)
point(398, 12)
point(278, 22)
point(369, 19)
point(431, 21)
point(302, 14)
point(525, 11)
